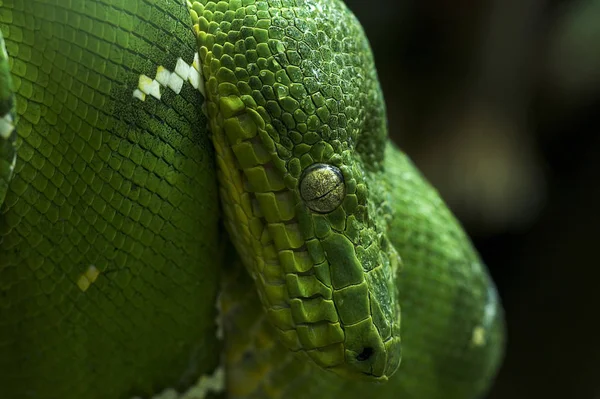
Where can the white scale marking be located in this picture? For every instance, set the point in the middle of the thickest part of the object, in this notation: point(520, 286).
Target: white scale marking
point(184, 72)
point(205, 384)
point(6, 126)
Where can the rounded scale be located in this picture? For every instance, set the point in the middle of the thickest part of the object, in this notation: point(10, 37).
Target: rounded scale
point(322, 187)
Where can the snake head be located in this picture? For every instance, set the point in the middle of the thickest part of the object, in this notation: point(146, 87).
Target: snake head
point(298, 123)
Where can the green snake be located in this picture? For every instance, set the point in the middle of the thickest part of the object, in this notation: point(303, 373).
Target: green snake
point(200, 199)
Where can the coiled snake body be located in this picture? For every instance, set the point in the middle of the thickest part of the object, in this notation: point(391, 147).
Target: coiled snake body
point(129, 129)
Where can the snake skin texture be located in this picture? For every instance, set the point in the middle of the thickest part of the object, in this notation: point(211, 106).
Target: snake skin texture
point(105, 290)
point(118, 277)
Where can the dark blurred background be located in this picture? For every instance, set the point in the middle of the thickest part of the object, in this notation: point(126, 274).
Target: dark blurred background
point(498, 103)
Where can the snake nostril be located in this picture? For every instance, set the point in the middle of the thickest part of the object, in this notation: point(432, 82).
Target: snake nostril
point(365, 354)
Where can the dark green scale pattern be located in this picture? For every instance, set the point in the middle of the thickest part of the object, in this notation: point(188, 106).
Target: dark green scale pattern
point(445, 293)
point(109, 182)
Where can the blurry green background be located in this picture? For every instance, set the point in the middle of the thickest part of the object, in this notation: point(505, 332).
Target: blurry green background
point(498, 103)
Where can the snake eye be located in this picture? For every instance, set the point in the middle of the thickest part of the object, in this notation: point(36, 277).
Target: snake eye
point(322, 187)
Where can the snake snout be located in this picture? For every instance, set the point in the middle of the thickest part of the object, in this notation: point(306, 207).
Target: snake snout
point(370, 357)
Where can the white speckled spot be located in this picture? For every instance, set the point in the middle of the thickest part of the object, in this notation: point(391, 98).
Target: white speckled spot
point(480, 332)
point(489, 313)
point(182, 68)
point(184, 72)
point(196, 62)
point(87, 278)
point(194, 78)
point(207, 383)
point(201, 85)
point(175, 83)
point(162, 75)
point(137, 93)
point(149, 86)
point(13, 163)
point(213, 383)
point(6, 126)
point(478, 336)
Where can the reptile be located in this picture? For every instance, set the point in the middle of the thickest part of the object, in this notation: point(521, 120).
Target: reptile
point(200, 199)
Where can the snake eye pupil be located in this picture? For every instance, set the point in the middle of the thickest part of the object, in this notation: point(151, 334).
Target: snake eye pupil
point(365, 354)
point(322, 187)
